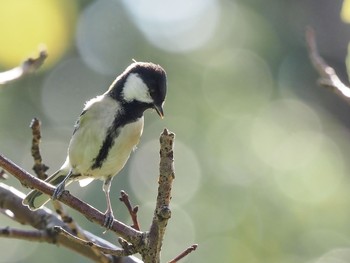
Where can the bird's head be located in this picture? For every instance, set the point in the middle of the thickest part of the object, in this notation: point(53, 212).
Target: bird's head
point(143, 83)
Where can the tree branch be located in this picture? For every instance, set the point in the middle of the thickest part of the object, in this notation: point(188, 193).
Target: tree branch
point(148, 244)
point(124, 197)
point(39, 168)
point(88, 211)
point(28, 66)
point(162, 211)
point(184, 253)
point(90, 244)
point(30, 235)
point(328, 77)
point(44, 220)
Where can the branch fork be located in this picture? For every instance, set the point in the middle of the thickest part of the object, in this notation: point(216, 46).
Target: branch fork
point(131, 239)
point(124, 197)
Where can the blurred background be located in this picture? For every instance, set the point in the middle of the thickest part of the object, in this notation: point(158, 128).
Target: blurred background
point(262, 152)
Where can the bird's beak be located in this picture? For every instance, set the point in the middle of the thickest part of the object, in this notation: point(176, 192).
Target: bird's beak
point(159, 110)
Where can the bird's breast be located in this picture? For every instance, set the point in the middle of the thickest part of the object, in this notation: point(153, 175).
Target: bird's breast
point(102, 144)
point(128, 137)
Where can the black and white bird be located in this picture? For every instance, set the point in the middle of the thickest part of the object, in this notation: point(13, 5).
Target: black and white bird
point(107, 131)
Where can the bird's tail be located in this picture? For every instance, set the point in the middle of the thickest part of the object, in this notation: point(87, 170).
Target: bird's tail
point(36, 199)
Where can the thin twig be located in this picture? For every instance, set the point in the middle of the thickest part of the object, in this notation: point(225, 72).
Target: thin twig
point(77, 231)
point(39, 168)
point(124, 197)
point(66, 218)
point(28, 66)
point(31, 235)
point(184, 253)
point(90, 244)
point(328, 76)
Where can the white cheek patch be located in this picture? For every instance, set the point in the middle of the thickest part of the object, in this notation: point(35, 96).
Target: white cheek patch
point(136, 89)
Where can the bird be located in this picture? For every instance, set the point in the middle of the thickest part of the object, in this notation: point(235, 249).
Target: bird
point(107, 131)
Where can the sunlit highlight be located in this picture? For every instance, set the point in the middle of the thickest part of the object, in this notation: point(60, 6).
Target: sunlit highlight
point(175, 26)
point(24, 25)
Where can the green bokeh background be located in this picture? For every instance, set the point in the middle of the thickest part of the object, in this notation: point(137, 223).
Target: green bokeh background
point(262, 170)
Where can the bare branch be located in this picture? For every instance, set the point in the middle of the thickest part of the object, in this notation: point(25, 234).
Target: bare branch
point(148, 244)
point(328, 77)
point(11, 199)
point(44, 220)
point(28, 66)
point(39, 168)
point(128, 247)
point(90, 244)
point(77, 232)
point(30, 235)
point(124, 197)
point(162, 211)
point(184, 253)
point(88, 211)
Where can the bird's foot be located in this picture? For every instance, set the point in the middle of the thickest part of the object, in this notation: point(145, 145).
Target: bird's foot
point(109, 218)
point(58, 191)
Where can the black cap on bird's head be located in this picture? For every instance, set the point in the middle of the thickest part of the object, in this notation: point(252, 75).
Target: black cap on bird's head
point(142, 82)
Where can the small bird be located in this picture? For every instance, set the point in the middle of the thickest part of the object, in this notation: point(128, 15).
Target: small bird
point(107, 131)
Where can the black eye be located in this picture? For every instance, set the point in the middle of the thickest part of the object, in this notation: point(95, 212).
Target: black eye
point(152, 91)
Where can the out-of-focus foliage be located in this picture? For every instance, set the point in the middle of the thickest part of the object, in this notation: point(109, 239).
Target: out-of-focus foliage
point(262, 169)
point(26, 24)
point(345, 11)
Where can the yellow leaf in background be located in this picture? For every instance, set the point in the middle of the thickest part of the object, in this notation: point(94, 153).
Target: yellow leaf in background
point(25, 25)
point(345, 11)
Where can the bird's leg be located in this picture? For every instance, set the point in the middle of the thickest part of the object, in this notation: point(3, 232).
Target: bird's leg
point(60, 187)
point(109, 218)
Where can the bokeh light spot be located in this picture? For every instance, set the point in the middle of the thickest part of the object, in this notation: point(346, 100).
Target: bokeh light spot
point(237, 82)
point(73, 83)
point(106, 39)
point(338, 255)
point(224, 204)
point(320, 239)
point(275, 125)
point(144, 172)
point(24, 25)
point(227, 141)
point(316, 177)
point(287, 135)
point(175, 26)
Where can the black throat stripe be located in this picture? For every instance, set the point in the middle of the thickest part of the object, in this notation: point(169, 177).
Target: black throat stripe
point(131, 113)
point(112, 133)
point(107, 144)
